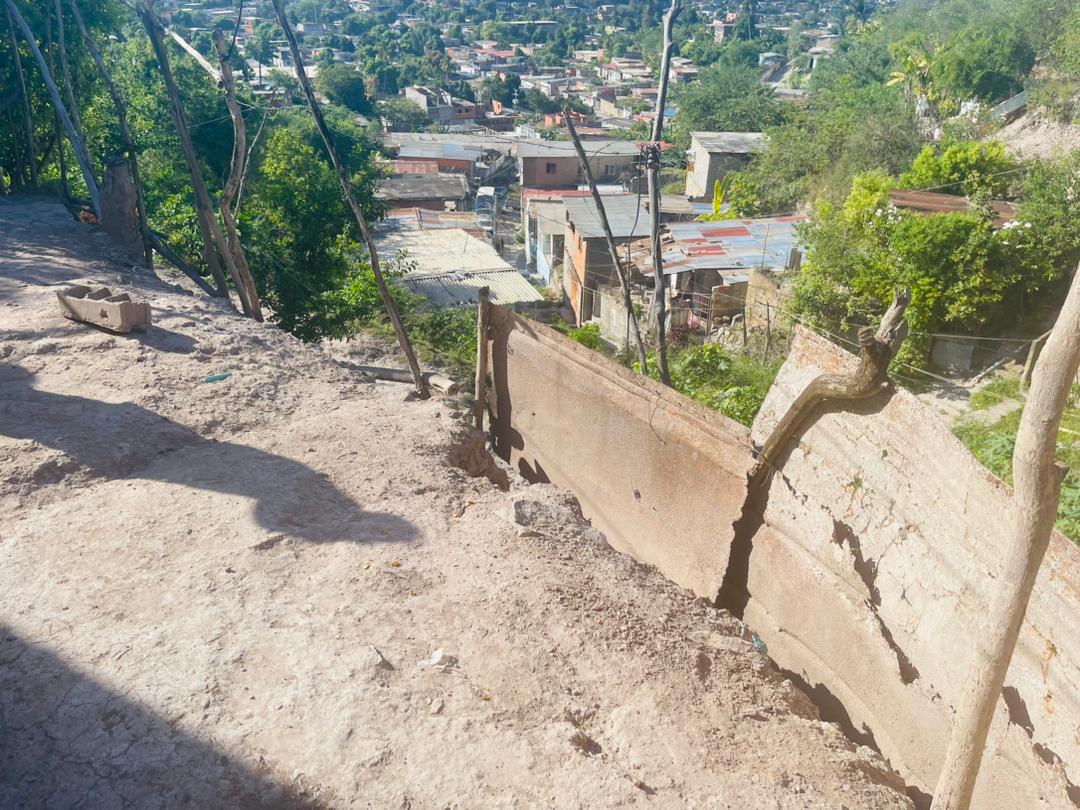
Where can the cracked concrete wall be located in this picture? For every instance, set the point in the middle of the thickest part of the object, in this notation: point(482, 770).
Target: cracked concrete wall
point(872, 566)
point(873, 572)
point(657, 473)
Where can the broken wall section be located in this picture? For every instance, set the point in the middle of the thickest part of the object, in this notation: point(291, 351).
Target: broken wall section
point(873, 573)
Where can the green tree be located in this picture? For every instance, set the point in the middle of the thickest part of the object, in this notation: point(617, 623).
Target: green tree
point(963, 168)
point(403, 115)
point(344, 84)
point(725, 98)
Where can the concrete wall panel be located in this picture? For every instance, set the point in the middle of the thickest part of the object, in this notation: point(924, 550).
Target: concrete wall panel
point(873, 572)
point(662, 477)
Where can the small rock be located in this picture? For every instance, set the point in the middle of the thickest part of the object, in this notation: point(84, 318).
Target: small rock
point(441, 660)
point(437, 706)
point(373, 660)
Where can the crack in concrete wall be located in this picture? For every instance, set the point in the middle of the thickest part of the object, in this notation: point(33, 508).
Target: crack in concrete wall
point(865, 564)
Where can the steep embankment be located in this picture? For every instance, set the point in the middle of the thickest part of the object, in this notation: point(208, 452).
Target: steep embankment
point(234, 593)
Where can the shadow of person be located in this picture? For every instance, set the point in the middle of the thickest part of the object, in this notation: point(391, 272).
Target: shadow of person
point(71, 741)
point(124, 440)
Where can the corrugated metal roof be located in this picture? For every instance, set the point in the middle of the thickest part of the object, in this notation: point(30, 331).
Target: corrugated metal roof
point(731, 143)
point(449, 266)
point(441, 151)
point(461, 289)
point(440, 251)
point(414, 166)
point(424, 187)
point(538, 147)
point(733, 245)
point(928, 202)
point(421, 219)
point(625, 213)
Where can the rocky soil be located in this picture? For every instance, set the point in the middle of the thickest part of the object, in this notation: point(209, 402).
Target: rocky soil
point(276, 590)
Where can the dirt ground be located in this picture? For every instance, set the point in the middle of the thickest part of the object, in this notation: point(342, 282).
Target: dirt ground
point(274, 590)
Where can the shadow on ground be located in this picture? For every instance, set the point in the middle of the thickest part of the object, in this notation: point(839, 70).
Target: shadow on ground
point(68, 741)
point(124, 440)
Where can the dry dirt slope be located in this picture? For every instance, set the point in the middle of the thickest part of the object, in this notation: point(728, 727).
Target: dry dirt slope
point(229, 594)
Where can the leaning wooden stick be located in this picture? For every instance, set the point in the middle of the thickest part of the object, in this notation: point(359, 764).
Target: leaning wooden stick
point(482, 320)
point(871, 377)
point(350, 198)
point(621, 272)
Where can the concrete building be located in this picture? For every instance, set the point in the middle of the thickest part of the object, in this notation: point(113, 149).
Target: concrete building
point(437, 192)
point(587, 265)
point(555, 164)
point(443, 107)
point(713, 154)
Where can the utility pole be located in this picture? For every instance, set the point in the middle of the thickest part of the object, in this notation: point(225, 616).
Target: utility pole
point(652, 166)
point(1036, 491)
point(622, 273)
point(350, 198)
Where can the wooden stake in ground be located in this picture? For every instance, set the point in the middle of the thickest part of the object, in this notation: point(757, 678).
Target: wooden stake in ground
point(480, 389)
point(1036, 489)
point(58, 105)
point(27, 114)
point(652, 165)
point(346, 187)
point(252, 306)
point(126, 140)
point(208, 227)
point(624, 280)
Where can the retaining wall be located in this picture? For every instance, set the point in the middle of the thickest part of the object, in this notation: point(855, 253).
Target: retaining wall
point(867, 570)
point(658, 474)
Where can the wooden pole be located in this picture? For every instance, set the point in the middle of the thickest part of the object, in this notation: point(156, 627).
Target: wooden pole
point(249, 295)
point(483, 317)
point(126, 140)
point(1036, 491)
point(58, 104)
point(653, 170)
point(1029, 364)
point(203, 211)
point(65, 189)
point(31, 151)
point(347, 190)
point(69, 87)
point(622, 273)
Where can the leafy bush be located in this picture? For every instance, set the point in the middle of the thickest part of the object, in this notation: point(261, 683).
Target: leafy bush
point(732, 384)
point(993, 446)
point(588, 335)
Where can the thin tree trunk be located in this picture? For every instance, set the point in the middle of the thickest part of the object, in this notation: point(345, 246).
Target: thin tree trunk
point(1036, 490)
point(204, 212)
point(624, 280)
point(232, 185)
point(247, 158)
point(346, 187)
point(653, 167)
point(65, 188)
point(28, 116)
point(65, 70)
point(58, 104)
point(126, 140)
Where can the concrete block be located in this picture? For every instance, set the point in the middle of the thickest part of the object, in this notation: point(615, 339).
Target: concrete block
point(117, 313)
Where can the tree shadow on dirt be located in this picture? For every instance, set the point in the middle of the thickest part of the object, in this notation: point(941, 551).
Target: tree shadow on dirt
point(67, 740)
point(124, 440)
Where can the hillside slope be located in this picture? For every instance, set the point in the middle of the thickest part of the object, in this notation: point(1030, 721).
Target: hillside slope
point(274, 590)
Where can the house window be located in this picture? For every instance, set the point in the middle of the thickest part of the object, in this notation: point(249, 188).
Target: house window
point(549, 168)
point(609, 169)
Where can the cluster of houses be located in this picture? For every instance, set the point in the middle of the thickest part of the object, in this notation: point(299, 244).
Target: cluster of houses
point(449, 238)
